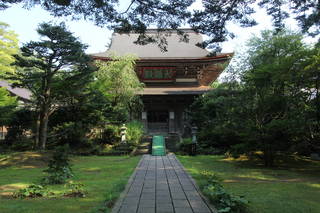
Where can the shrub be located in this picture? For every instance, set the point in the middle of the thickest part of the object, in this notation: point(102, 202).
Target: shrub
point(135, 131)
point(75, 190)
point(184, 145)
point(19, 129)
point(223, 200)
point(59, 169)
point(32, 191)
point(111, 134)
point(70, 133)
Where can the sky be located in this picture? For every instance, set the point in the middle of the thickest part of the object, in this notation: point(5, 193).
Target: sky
point(25, 22)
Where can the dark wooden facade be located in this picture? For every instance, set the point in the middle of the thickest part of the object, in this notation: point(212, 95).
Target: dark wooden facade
point(172, 79)
point(165, 101)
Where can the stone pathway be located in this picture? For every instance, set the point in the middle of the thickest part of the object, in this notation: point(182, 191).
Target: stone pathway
point(161, 185)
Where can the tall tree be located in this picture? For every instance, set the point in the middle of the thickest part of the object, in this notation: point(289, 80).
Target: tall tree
point(282, 82)
point(117, 80)
point(310, 73)
point(8, 47)
point(274, 109)
point(51, 68)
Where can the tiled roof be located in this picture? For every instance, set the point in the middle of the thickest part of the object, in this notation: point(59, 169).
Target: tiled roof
point(175, 90)
point(124, 43)
point(20, 92)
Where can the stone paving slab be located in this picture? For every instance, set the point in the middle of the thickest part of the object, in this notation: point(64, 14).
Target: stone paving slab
point(160, 184)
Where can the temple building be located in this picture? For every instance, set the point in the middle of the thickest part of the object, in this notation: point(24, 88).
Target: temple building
point(172, 78)
point(23, 96)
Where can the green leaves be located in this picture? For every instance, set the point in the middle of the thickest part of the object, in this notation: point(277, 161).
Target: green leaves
point(222, 200)
point(117, 80)
point(276, 106)
point(59, 169)
point(8, 47)
point(135, 131)
point(8, 105)
point(211, 19)
point(32, 191)
point(55, 69)
point(76, 189)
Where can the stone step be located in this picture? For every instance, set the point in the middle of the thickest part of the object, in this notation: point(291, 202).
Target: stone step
point(143, 148)
point(142, 151)
point(146, 144)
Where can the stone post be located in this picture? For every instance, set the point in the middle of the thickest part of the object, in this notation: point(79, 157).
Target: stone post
point(171, 121)
point(123, 133)
point(194, 140)
point(144, 121)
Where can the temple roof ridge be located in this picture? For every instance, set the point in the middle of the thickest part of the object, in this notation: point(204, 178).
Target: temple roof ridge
point(123, 43)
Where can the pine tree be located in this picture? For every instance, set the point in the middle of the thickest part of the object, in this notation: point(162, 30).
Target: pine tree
point(52, 69)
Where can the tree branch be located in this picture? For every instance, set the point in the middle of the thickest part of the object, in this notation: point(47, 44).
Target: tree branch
point(128, 7)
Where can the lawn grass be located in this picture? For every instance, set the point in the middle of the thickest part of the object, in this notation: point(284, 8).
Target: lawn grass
point(292, 187)
point(104, 178)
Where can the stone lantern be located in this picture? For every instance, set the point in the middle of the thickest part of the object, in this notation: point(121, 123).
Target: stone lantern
point(123, 133)
point(194, 131)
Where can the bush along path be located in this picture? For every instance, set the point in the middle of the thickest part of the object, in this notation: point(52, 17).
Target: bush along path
point(161, 185)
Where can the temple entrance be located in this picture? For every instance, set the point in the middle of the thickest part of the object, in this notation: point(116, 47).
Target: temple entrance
point(158, 121)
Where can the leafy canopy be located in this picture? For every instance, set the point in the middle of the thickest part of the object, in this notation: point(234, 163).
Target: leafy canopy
point(211, 20)
point(117, 80)
point(54, 69)
point(273, 108)
point(8, 47)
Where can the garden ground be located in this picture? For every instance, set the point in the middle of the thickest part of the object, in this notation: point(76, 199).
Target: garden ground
point(103, 178)
point(292, 187)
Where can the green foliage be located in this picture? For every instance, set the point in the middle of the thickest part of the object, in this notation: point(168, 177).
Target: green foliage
point(83, 121)
point(212, 19)
point(211, 177)
point(117, 80)
point(55, 69)
point(8, 105)
point(59, 169)
point(18, 137)
point(273, 109)
point(8, 47)
point(294, 183)
point(213, 114)
point(184, 145)
point(135, 131)
point(222, 200)
point(32, 191)
point(111, 134)
point(75, 190)
point(36, 191)
point(90, 119)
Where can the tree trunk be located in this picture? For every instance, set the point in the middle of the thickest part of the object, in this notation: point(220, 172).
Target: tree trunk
point(317, 99)
point(36, 138)
point(44, 112)
point(43, 129)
